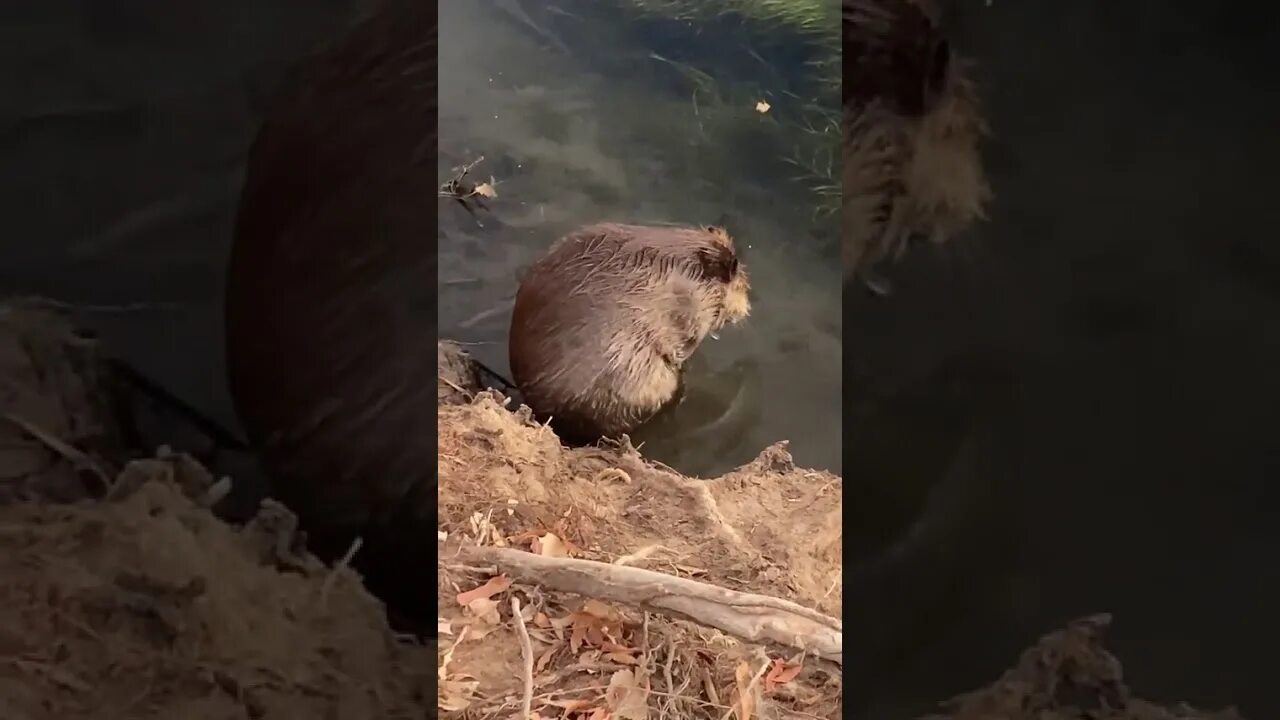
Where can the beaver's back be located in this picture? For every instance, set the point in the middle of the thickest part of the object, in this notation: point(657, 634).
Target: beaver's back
point(329, 301)
point(602, 322)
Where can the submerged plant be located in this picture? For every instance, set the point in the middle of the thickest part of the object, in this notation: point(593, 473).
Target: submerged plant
point(792, 48)
point(818, 20)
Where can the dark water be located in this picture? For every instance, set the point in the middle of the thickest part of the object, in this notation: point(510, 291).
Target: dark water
point(1087, 385)
point(583, 118)
point(124, 128)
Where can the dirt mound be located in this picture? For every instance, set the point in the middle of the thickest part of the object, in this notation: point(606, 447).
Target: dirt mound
point(146, 605)
point(57, 430)
point(754, 557)
point(140, 603)
point(1068, 675)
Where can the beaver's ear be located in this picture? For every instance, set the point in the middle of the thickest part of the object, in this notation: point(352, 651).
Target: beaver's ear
point(717, 263)
point(720, 235)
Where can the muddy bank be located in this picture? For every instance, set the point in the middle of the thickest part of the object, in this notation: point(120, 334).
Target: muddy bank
point(645, 590)
point(1067, 675)
point(124, 595)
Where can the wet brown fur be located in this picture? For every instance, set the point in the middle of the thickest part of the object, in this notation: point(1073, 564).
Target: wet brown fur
point(604, 322)
point(329, 322)
point(912, 123)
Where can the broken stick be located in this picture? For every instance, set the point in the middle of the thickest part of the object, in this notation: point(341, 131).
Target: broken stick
point(756, 618)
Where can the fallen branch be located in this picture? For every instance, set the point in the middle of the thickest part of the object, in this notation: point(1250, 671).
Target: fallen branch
point(756, 618)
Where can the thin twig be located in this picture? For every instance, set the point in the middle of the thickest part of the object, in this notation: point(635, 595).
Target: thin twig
point(526, 647)
point(333, 573)
point(455, 386)
point(76, 456)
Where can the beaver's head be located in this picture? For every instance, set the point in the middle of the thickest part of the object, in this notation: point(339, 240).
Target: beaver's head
point(912, 125)
point(720, 264)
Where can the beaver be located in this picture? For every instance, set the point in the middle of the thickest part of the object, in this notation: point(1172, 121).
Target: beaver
point(911, 127)
point(329, 320)
point(604, 322)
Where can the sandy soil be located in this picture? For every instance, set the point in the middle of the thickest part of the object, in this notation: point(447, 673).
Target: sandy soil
point(767, 528)
point(124, 596)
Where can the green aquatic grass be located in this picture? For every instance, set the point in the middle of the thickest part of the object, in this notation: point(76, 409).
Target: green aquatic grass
point(724, 56)
point(817, 19)
point(810, 119)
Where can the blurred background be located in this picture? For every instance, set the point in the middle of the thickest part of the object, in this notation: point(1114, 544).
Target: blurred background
point(1070, 410)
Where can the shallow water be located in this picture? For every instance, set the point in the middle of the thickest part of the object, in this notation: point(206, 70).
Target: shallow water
point(579, 122)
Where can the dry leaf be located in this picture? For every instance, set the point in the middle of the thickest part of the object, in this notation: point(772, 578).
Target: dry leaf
point(543, 659)
point(626, 698)
point(495, 585)
point(780, 674)
point(599, 714)
point(541, 620)
point(550, 545)
point(484, 609)
point(486, 618)
point(442, 665)
point(486, 190)
point(569, 547)
point(444, 626)
point(578, 636)
point(595, 624)
point(762, 107)
point(745, 704)
point(573, 705)
point(454, 695)
point(601, 610)
point(622, 658)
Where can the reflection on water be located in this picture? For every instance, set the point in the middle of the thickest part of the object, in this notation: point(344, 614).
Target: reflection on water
point(581, 117)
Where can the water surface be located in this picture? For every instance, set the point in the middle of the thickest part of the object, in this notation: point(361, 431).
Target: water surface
point(584, 116)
